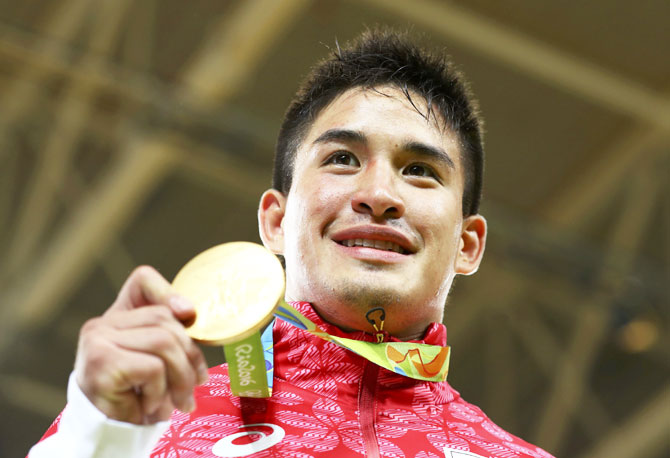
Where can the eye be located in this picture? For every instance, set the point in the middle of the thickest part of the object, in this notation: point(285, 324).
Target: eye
point(420, 170)
point(344, 158)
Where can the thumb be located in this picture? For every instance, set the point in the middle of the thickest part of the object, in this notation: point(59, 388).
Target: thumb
point(146, 286)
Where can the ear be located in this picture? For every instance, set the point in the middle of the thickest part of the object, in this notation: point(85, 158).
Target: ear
point(270, 217)
point(471, 248)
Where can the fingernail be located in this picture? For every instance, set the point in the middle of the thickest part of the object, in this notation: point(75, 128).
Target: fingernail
point(180, 304)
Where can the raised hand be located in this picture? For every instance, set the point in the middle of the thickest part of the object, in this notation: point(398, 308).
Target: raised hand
point(135, 363)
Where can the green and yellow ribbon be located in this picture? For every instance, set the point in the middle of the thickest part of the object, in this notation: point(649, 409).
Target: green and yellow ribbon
point(250, 361)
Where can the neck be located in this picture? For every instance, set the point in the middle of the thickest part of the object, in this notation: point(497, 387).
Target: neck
point(352, 322)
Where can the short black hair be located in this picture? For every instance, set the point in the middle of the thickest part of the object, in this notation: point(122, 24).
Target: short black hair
point(386, 57)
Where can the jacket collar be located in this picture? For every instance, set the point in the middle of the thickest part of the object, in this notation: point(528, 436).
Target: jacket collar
point(331, 371)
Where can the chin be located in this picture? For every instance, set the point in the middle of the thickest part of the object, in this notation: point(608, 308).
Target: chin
point(364, 296)
point(371, 299)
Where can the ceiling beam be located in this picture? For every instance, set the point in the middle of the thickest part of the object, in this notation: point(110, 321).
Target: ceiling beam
point(545, 349)
point(593, 317)
point(463, 320)
point(224, 172)
point(538, 60)
point(501, 383)
point(49, 59)
point(143, 164)
point(514, 285)
point(9, 172)
point(592, 185)
point(33, 395)
point(139, 39)
point(116, 262)
point(133, 86)
point(39, 294)
point(236, 47)
point(567, 388)
point(63, 24)
point(37, 208)
point(645, 433)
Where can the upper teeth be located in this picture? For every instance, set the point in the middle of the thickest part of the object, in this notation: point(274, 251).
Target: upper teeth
point(379, 244)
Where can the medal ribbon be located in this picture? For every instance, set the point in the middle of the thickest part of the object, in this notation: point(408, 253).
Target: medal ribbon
point(250, 376)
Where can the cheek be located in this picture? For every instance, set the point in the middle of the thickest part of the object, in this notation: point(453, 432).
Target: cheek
point(443, 231)
point(323, 200)
point(317, 203)
point(327, 193)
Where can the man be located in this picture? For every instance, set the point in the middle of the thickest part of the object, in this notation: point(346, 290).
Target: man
point(374, 207)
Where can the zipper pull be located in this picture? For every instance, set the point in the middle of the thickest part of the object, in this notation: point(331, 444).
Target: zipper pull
point(379, 330)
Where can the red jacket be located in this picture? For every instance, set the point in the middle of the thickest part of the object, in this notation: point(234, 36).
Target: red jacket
point(330, 402)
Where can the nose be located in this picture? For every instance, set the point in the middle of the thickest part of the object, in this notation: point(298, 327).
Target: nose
point(376, 193)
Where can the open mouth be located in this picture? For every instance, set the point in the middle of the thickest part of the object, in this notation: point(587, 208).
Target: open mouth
point(376, 244)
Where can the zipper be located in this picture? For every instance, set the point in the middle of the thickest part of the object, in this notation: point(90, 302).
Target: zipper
point(367, 408)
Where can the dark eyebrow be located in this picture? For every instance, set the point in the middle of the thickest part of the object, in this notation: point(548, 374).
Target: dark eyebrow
point(342, 135)
point(418, 148)
point(422, 149)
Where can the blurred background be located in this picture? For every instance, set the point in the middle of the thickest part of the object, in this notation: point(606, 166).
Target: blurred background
point(142, 132)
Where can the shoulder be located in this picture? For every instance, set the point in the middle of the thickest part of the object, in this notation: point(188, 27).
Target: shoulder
point(485, 437)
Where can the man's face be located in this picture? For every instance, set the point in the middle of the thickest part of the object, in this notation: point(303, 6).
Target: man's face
point(373, 217)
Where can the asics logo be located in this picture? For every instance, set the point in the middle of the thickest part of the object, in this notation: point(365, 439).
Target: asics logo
point(226, 449)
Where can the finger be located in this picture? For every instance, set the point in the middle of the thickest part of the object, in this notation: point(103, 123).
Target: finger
point(148, 383)
point(145, 286)
point(161, 342)
point(112, 376)
point(157, 315)
point(149, 315)
point(155, 399)
point(162, 412)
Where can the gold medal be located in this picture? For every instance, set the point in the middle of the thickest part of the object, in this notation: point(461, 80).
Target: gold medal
point(235, 288)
